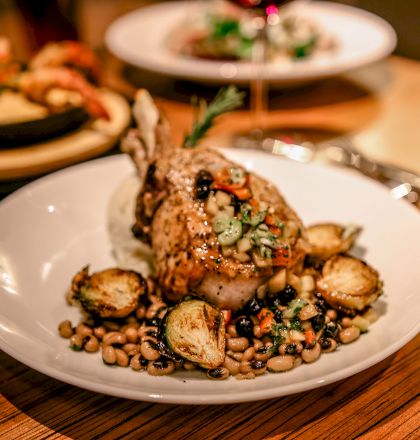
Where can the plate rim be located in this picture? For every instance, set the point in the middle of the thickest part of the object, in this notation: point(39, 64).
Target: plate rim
point(178, 397)
point(273, 76)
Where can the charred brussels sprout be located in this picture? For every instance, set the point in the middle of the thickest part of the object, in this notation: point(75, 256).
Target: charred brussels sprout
point(195, 330)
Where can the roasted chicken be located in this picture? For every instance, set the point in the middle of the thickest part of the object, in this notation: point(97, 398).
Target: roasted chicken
point(217, 231)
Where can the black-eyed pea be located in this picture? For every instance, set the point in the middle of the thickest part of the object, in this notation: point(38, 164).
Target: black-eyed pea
point(76, 342)
point(232, 365)
point(219, 373)
point(349, 334)
point(258, 367)
point(131, 335)
point(327, 345)
point(160, 368)
point(231, 330)
point(248, 354)
point(245, 367)
point(99, 332)
point(141, 312)
point(346, 322)
point(109, 356)
point(298, 361)
point(135, 362)
point(246, 376)
point(257, 332)
point(278, 364)
point(130, 348)
point(114, 338)
point(308, 312)
point(237, 344)
point(257, 343)
point(311, 354)
point(331, 314)
point(83, 330)
point(189, 366)
point(111, 326)
point(237, 355)
point(154, 309)
point(148, 351)
point(293, 348)
point(263, 354)
point(121, 358)
point(92, 344)
point(65, 329)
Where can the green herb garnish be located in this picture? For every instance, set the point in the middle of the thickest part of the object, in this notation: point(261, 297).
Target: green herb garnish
point(226, 100)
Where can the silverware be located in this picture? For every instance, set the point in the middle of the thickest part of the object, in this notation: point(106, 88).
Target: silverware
point(341, 151)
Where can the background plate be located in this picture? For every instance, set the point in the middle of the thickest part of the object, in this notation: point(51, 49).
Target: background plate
point(56, 225)
point(141, 38)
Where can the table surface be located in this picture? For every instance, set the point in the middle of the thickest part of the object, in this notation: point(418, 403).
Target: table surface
point(379, 108)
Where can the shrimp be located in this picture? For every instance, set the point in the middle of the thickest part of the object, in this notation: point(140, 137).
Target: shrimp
point(71, 54)
point(36, 84)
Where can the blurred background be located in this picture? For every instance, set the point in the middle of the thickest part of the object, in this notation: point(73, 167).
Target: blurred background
point(87, 20)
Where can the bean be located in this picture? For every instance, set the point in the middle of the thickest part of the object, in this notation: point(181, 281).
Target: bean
point(91, 344)
point(131, 334)
point(219, 373)
point(65, 329)
point(153, 310)
point(328, 345)
point(245, 367)
point(257, 344)
point(293, 348)
point(149, 330)
point(237, 355)
point(263, 354)
point(349, 334)
point(231, 329)
point(237, 344)
point(189, 366)
point(148, 351)
point(258, 367)
point(250, 375)
point(111, 326)
point(332, 314)
point(232, 365)
point(99, 332)
point(76, 342)
point(248, 354)
point(346, 322)
point(141, 312)
point(112, 338)
point(109, 356)
point(311, 354)
point(280, 363)
point(130, 348)
point(83, 330)
point(307, 282)
point(257, 332)
point(297, 362)
point(122, 357)
point(308, 312)
point(135, 362)
point(160, 368)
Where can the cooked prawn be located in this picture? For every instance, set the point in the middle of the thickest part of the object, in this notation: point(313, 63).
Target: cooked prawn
point(36, 84)
point(71, 54)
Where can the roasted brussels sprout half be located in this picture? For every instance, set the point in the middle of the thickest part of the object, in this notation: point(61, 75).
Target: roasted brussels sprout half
point(348, 283)
point(111, 293)
point(195, 330)
point(328, 239)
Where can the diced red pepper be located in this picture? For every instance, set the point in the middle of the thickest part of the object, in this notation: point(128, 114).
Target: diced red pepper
point(264, 312)
point(310, 337)
point(282, 256)
point(266, 324)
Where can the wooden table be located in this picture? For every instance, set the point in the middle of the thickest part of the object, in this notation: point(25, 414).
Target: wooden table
point(379, 107)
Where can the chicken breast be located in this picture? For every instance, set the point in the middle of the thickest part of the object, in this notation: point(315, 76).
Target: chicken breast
point(181, 214)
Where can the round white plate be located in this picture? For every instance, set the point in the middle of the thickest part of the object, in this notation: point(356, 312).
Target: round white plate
point(56, 225)
point(141, 38)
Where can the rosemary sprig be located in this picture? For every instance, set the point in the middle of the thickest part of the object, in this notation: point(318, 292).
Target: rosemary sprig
point(226, 100)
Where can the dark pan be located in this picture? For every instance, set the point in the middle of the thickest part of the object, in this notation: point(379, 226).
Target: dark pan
point(38, 130)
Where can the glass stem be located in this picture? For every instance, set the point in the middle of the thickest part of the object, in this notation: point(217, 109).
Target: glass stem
point(259, 89)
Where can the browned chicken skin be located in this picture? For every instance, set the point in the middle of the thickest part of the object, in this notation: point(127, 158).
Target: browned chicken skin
point(170, 217)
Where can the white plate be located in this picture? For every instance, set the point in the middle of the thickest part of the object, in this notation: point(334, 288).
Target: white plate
point(141, 39)
point(56, 225)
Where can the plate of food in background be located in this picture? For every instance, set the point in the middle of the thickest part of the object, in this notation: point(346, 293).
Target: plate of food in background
point(52, 109)
point(213, 41)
